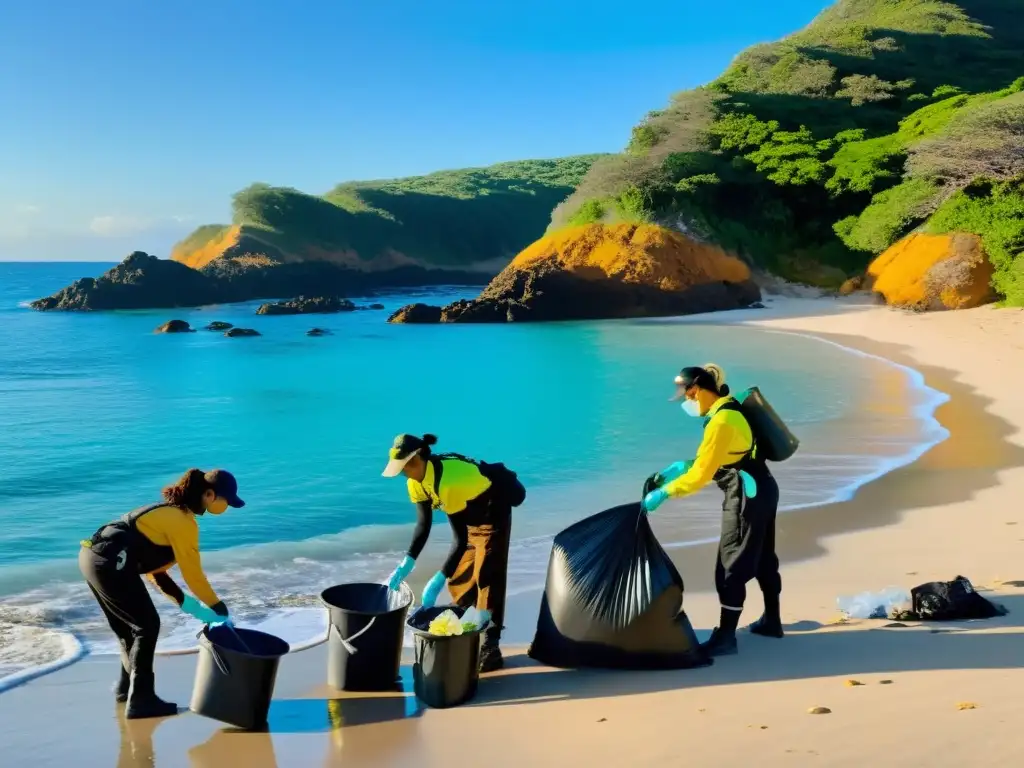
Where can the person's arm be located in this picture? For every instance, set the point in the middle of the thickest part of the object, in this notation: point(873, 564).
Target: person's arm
point(163, 581)
point(424, 520)
point(711, 455)
point(184, 539)
point(460, 540)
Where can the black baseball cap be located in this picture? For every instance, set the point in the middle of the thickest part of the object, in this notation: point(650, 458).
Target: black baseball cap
point(225, 486)
point(686, 379)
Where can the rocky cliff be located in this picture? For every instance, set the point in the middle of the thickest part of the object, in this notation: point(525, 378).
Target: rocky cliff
point(597, 271)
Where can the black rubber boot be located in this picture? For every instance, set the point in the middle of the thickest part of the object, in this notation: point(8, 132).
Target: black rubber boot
point(143, 701)
point(723, 637)
point(770, 623)
point(491, 659)
point(122, 686)
point(142, 698)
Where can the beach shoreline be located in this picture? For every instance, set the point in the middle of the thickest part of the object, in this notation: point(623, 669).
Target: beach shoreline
point(953, 511)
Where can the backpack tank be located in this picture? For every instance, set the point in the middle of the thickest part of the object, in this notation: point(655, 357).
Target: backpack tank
point(774, 440)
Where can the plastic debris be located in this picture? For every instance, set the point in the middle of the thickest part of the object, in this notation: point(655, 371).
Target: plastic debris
point(446, 624)
point(875, 605)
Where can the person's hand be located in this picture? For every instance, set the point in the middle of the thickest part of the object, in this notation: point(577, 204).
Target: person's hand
point(654, 499)
point(401, 573)
point(197, 610)
point(433, 589)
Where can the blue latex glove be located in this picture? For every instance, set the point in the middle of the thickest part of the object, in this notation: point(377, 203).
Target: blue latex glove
point(654, 499)
point(433, 589)
point(197, 610)
point(749, 485)
point(672, 471)
point(401, 573)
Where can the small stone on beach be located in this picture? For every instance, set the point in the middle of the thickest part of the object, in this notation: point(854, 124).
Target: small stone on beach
point(885, 682)
point(852, 683)
point(966, 705)
point(819, 711)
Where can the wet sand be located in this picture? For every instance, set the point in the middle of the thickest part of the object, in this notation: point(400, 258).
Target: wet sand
point(955, 511)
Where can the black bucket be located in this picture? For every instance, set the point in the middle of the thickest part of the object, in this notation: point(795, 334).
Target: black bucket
point(365, 636)
point(235, 675)
point(446, 669)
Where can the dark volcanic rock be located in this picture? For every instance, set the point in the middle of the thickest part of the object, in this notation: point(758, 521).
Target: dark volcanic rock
point(318, 332)
point(175, 326)
point(219, 325)
point(140, 281)
point(233, 332)
point(544, 292)
point(416, 313)
point(307, 306)
point(374, 306)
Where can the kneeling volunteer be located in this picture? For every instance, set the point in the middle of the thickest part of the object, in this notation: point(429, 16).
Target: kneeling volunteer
point(476, 569)
point(149, 541)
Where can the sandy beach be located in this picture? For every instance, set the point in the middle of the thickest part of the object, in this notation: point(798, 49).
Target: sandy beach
point(899, 694)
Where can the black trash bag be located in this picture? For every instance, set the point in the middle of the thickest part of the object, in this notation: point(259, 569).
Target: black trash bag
point(951, 601)
point(613, 599)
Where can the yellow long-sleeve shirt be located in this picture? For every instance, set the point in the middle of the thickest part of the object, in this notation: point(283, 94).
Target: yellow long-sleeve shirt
point(727, 437)
point(175, 528)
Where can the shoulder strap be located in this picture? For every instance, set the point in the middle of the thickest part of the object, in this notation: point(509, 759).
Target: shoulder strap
point(733, 405)
point(131, 518)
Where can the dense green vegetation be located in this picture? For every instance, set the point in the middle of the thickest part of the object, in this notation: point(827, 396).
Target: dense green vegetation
point(826, 147)
point(449, 219)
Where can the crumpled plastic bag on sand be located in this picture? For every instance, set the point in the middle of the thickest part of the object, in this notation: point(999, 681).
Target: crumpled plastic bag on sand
point(448, 623)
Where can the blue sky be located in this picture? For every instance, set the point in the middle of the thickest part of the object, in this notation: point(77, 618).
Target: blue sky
point(129, 122)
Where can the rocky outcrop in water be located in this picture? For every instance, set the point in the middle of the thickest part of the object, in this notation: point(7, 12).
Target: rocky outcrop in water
point(175, 326)
point(140, 281)
point(319, 332)
point(303, 305)
point(598, 271)
point(235, 332)
point(143, 281)
point(219, 325)
point(416, 313)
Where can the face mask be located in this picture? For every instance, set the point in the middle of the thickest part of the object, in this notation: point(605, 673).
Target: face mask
point(691, 408)
point(218, 506)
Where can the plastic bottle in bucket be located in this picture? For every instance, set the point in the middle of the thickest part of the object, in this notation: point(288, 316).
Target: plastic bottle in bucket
point(446, 670)
point(235, 675)
point(365, 635)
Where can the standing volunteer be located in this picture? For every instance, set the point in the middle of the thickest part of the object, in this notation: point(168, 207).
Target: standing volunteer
point(729, 455)
point(477, 498)
point(149, 541)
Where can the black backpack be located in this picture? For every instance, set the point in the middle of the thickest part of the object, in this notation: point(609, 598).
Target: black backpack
point(504, 481)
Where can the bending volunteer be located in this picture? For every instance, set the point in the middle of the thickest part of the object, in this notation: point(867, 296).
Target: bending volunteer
point(149, 541)
point(476, 568)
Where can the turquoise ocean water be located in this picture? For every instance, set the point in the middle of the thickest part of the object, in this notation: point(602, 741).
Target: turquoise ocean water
point(97, 413)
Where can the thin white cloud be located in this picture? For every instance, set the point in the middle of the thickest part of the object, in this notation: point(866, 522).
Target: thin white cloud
point(27, 209)
point(112, 225)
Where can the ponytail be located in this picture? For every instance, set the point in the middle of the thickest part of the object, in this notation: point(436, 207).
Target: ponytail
point(718, 377)
point(188, 492)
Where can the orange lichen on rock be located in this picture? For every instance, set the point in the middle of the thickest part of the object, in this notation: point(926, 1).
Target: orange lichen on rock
point(642, 254)
point(212, 249)
point(933, 272)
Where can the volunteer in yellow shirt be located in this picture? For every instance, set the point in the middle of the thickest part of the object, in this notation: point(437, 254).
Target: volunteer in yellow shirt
point(149, 541)
point(476, 568)
point(728, 456)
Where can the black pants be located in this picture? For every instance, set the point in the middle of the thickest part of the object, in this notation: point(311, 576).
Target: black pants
point(125, 601)
point(747, 548)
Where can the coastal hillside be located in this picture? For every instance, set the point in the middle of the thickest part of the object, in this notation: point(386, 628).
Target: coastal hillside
point(468, 219)
point(812, 155)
